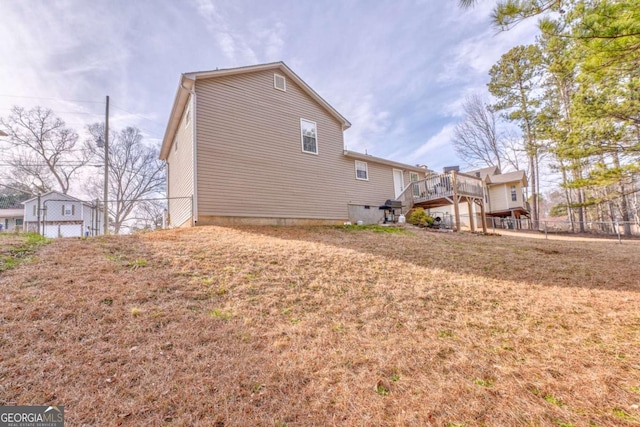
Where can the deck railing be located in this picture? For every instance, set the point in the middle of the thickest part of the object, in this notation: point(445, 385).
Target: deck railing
point(469, 185)
point(440, 186)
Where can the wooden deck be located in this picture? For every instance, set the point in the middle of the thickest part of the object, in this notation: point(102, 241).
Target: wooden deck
point(443, 190)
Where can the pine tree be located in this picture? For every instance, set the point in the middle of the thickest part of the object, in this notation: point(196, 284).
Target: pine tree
point(515, 83)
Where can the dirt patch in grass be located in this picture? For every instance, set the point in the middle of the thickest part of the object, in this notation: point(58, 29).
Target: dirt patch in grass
point(324, 326)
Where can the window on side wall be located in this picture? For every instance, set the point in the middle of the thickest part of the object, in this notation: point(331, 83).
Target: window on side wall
point(18, 222)
point(68, 210)
point(514, 194)
point(414, 177)
point(362, 172)
point(309, 136)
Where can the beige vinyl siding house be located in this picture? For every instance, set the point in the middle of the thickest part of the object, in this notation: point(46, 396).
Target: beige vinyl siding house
point(250, 151)
point(504, 197)
point(507, 196)
point(364, 196)
point(180, 171)
point(266, 148)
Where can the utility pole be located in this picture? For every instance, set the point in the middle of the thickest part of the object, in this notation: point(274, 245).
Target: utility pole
point(106, 170)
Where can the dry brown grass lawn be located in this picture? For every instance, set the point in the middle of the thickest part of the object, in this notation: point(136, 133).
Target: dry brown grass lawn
point(321, 326)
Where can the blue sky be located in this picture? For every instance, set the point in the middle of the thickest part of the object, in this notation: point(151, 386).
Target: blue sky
point(399, 71)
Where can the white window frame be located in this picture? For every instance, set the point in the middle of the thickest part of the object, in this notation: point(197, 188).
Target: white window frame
point(315, 127)
point(366, 170)
point(416, 189)
point(514, 193)
point(70, 208)
point(275, 82)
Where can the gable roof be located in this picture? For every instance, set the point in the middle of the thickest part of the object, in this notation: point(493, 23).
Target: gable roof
point(57, 193)
point(187, 83)
point(484, 172)
point(58, 196)
point(515, 176)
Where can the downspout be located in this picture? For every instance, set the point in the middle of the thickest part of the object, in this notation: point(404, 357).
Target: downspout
point(194, 149)
point(166, 184)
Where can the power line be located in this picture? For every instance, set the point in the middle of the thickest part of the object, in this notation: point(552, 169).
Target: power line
point(64, 112)
point(13, 188)
point(151, 134)
point(34, 165)
point(51, 99)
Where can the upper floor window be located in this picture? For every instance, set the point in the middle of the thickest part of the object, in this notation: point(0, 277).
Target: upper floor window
point(309, 136)
point(362, 171)
point(68, 210)
point(279, 82)
point(514, 194)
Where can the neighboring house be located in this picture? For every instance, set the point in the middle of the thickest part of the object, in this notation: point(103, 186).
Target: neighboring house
point(503, 196)
point(505, 192)
point(258, 145)
point(61, 215)
point(11, 219)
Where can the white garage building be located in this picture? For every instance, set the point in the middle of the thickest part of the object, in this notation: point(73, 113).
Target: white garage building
point(61, 215)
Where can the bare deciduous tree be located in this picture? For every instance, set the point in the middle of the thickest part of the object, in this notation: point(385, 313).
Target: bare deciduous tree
point(148, 215)
point(514, 155)
point(135, 173)
point(476, 138)
point(44, 155)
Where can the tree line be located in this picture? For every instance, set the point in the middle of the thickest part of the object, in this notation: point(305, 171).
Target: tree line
point(575, 97)
point(45, 154)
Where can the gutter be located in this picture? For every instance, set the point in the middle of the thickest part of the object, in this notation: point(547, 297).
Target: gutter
point(194, 147)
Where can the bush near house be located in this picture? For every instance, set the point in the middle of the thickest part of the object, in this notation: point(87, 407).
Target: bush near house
point(420, 217)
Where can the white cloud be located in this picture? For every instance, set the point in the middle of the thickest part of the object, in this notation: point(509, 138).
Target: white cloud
point(273, 41)
point(371, 126)
point(232, 43)
point(436, 144)
point(398, 71)
point(473, 57)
